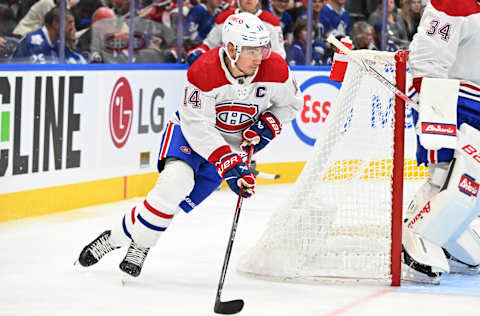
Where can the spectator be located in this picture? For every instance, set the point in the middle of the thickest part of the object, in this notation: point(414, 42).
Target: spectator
point(358, 10)
point(72, 55)
point(7, 20)
point(7, 41)
point(335, 19)
point(109, 39)
point(279, 9)
point(297, 8)
point(363, 36)
point(376, 16)
point(121, 7)
point(162, 11)
point(296, 54)
point(395, 32)
point(213, 39)
point(410, 16)
point(156, 41)
point(84, 37)
point(84, 11)
point(34, 18)
point(200, 21)
point(42, 46)
point(316, 10)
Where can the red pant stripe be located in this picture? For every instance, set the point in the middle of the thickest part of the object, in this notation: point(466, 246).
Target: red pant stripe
point(156, 212)
point(133, 215)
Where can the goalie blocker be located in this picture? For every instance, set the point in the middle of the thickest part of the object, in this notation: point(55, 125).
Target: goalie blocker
point(445, 219)
point(437, 126)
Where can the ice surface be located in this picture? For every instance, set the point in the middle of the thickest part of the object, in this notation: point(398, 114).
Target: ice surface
point(181, 273)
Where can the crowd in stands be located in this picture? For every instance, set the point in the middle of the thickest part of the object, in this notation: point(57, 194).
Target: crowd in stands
point(97, 31)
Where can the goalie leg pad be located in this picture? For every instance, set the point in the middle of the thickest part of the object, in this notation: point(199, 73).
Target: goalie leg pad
point(449, 213)
point(145, 222)
point(437, 174)
point(424, 252)
point(464, 252)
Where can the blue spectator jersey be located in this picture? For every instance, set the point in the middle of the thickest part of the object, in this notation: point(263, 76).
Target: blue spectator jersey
point(199, 22)
point(296, 54)
point(35, 48)
point(286, 21)
point(334, 21)
point(318, 25)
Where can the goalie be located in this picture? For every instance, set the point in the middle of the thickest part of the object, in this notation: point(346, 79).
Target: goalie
point(442, 231)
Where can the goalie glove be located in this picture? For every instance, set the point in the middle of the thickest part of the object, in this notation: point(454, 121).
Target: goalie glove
point(261, 133)
point(231, 167)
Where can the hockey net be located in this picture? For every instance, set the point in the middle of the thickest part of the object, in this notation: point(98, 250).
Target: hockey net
point(342, 219)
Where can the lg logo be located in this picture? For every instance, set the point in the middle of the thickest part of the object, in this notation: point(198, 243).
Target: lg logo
point(121, 112)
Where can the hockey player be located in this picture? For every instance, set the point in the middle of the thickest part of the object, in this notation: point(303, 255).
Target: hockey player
point(441, 232)
point(214, 38)
point(235, 96)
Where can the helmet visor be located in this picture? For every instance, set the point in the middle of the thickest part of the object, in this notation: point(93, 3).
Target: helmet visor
point(256, 52)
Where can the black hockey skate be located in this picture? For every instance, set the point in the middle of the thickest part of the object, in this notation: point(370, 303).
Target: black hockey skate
point(95, 250)
point(458, 266)
point(417, 272)
point(133, 261)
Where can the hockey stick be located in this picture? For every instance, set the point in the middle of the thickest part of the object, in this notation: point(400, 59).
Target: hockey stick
point(259, 174)
point(359, 60)
point(235, 306)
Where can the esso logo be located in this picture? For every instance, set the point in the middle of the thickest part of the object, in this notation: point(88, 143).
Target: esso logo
point(318, 95)
point(121, 112)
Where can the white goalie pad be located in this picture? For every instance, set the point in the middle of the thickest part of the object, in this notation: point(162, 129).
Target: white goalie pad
point(424, 251)
point(448, 214)
point(466, 248)
point(437, 124)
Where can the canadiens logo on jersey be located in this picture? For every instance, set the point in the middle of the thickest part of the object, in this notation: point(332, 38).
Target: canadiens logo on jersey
point(233, 117)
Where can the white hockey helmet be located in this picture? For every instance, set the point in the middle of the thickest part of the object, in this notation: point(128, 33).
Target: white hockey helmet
point(246, 29)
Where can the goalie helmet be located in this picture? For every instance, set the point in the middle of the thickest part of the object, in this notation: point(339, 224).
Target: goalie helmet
point(245, 29)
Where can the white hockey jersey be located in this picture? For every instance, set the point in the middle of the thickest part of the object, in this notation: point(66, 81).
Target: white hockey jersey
point(272, 23)
point(217, 108)
point(447, 44)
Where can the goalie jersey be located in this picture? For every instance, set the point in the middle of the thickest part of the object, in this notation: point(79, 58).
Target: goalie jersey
point(447, 44)
point(217, 108)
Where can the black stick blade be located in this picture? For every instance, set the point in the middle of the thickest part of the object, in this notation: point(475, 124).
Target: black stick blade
point(227, 308)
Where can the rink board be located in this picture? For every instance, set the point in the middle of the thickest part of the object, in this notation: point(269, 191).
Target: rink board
point(77, 136)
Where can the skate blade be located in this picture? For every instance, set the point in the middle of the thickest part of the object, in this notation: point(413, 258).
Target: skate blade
point(412, 276)
point(466, 271)
point(126, 278)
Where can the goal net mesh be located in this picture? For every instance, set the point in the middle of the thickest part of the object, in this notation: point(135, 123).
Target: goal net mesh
point(335, 223)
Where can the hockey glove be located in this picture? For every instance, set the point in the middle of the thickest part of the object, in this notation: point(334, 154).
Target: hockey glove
point(236, 173)
point(195, 53)
point(261, 133)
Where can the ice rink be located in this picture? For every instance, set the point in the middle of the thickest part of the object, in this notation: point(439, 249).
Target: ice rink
point(180, 275)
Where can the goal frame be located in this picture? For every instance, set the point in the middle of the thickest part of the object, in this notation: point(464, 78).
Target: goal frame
point(401, 58)
point(319, 234)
